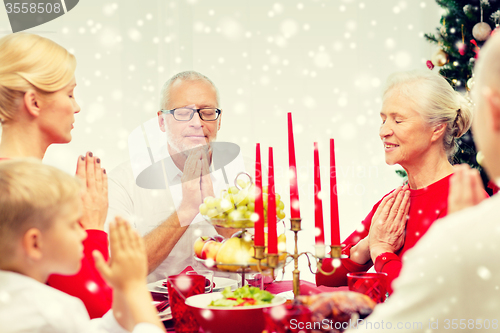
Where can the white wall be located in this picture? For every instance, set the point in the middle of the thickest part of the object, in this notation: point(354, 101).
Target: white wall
point(325, 61)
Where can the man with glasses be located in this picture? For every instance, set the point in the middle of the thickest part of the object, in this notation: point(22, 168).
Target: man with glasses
point(169, 219)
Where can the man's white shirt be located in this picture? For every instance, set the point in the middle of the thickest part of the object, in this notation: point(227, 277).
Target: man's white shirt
point(147, 209)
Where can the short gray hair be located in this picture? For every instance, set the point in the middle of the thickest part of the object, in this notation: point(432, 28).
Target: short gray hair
point(437, 102)
point(184, 76)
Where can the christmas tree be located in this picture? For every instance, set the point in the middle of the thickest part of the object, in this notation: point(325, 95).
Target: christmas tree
point(465, 26)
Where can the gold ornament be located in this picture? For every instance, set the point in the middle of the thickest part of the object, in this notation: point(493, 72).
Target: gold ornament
point(440, 58)
point(481, 31)
point(480, 158)
point(470, 83)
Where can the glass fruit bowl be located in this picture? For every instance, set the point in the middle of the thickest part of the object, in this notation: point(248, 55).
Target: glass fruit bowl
point(236, 224)
point(230, 223)
point(251, 266)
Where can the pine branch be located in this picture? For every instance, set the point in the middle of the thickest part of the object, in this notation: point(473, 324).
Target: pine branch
point(431, 38)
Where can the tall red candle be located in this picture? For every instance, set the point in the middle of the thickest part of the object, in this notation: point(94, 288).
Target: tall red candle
point(294, 190)
point(259, 206)
point(334, 203)
point(318, 203)
point(272, 233)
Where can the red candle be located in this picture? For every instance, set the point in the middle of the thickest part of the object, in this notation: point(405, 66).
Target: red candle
point(294, 190)
point(318, 204)
point(272, 233)
point(334, 203)
point(259, 206)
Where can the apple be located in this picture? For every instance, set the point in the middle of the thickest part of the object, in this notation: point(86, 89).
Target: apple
point(218, 238)
point(199, 243)
point(210, 249)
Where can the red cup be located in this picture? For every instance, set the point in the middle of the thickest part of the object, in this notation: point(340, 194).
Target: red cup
point(287, 318)
point(181, 287)
point(373, 285)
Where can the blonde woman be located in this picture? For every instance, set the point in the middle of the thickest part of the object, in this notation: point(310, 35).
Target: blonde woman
point(37, 108)
point(422, 116)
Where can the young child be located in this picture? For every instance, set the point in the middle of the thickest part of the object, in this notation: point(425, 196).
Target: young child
point(37, 110)
point(40, 234)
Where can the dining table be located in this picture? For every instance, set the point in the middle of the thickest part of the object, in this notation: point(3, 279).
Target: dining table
point(275, 287)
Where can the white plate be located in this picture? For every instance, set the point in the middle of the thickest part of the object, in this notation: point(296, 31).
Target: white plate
point(166, 315)
point(158, 287)
point(220, 284)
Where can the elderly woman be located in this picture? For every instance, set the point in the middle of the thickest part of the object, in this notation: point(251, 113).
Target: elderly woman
point(37, 108)
point(422, 116)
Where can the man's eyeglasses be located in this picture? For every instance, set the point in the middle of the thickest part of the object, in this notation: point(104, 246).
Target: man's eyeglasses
point(186, 114)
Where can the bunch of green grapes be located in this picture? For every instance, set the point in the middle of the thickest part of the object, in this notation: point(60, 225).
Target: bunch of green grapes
point(280, 206)
point(239, 204)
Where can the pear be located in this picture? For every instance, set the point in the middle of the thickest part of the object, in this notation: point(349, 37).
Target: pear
point(234, 251)
point(282, 247)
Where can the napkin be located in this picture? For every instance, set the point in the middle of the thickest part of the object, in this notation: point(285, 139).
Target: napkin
point(162, 306)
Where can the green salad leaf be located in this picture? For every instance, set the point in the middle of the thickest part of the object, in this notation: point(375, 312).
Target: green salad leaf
point(243, 296)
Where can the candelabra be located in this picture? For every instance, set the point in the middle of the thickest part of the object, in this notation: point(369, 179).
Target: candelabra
point(273, 259)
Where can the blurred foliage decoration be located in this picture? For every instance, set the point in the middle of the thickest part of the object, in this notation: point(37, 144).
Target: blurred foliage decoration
point(465, 26)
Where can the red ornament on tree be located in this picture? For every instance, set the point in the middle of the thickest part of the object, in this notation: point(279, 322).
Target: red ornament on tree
point(476, 48)
point(429, 64)
point(462, 47)
point(493, 187)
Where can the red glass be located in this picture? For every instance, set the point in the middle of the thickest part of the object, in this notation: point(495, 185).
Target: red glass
point(183, 287)
point(259, 280)
point(289, 318)
point(373, 285)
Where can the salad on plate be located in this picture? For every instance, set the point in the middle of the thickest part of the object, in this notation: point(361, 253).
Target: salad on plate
point(243, 296)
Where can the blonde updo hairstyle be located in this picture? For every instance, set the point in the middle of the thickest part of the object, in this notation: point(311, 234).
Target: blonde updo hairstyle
point(436, 101)
point(33, 62)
